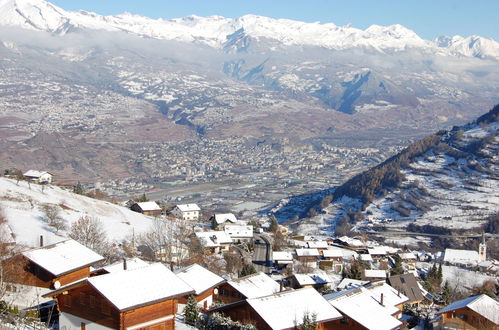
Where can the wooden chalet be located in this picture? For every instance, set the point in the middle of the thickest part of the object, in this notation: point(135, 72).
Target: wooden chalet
point(308, 257)
point(53, 266)
point(147, 208)
point(204, 282)
point(282, 310)
point(360, 310)
point(478, 312)
point(408, 285)
point(144, 298)
point(251, 286)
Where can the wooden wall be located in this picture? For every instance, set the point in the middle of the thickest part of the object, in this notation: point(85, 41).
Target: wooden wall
point(227, 294)
point(149, 313)
point(74, 276)
point(465, 318)
point(87, 303)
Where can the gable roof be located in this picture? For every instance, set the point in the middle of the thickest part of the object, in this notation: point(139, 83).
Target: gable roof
point(35, 173)
point(63, 257)
point(375, 273)
point(482, 304)
point(213, 238)
point(332, 253)
point(391, 297)
point(138, 287)
point(242, 231)
point(255, 285)
point(317, 244)
point(348, 283)
point(284, 310)
point(199, 278)
point(225, 217)
point(282, 256)
point(131, 264)
point(359, 305)
point(312, 279)
point(307, 253)
point(149, 206)
point(188, 207)
point(408, 285)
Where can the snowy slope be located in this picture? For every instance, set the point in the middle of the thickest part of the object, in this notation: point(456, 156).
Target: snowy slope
point(21, 204)
point(219, 32)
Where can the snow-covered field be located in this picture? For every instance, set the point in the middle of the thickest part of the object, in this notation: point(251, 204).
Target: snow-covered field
point(22, 204)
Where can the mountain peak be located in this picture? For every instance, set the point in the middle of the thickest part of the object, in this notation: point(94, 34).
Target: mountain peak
point(215, 30)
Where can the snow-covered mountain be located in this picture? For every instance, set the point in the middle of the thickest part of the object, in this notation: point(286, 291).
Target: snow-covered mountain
point(238, 33)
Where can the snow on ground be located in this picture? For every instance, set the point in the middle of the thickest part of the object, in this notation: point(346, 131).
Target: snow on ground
point(460, 279)
point(22, 206)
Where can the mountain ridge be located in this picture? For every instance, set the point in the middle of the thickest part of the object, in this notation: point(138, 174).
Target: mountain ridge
point(216, 31)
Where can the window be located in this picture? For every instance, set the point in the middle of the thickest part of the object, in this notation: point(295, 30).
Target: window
point(344, 320)
point(93, 301)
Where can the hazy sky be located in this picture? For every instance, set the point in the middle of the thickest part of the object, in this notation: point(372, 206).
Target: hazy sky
point(428, 18)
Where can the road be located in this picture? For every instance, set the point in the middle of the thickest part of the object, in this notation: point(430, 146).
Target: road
point(262, 255)
point(408, 233)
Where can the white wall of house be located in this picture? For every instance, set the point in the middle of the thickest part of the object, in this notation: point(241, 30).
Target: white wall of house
point(71, 322)
point(45, 177)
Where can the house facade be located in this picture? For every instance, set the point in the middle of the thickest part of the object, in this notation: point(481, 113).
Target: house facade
point(53, 266)
point(147, 208)
point(187, 211)
point(143, 298)
point(39, 176)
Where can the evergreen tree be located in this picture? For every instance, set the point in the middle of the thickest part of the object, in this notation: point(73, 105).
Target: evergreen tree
point(247, 269)
point(78, 189)
point(191, 311)
point(439, 276)
point(446, 293)
point(142, 198)
point(309, 322)
point(214, 224)
point(397, 268)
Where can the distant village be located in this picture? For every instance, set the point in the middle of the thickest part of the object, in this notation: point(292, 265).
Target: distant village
point(229, 273)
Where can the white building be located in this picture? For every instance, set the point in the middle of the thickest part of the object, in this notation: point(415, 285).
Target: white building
point(39, 177)
point(215, 241)
point(187, 211)
point(239, 233)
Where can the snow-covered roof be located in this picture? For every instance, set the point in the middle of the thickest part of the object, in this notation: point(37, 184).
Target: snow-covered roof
point(213, 238)
point(407, 256)
point(482, 304)
point(35, 173)
point(359, 305)
point(188, 207)
point(149, 206)
point(141, 286)
point(255, 285)
point(375, 273)
point(284, 310)
point(224, 217)
point(460, 256)
point(332, 253)
point(131, 264)
point(351, 241)
point(317, 244)
point(235, 231)
point(391, 297)
point(312, 279)
point(199, 278)
point(378, 250)
point(348, 283)
point(307, 253)
point(282, 256)
point(63, 257)
point(365, 257)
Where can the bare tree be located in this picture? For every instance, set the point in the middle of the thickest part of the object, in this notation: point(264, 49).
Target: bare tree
point(52, 213)
point(168, 239)
point(90, 232)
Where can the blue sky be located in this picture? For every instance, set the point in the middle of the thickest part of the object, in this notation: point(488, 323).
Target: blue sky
point(428, 18)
